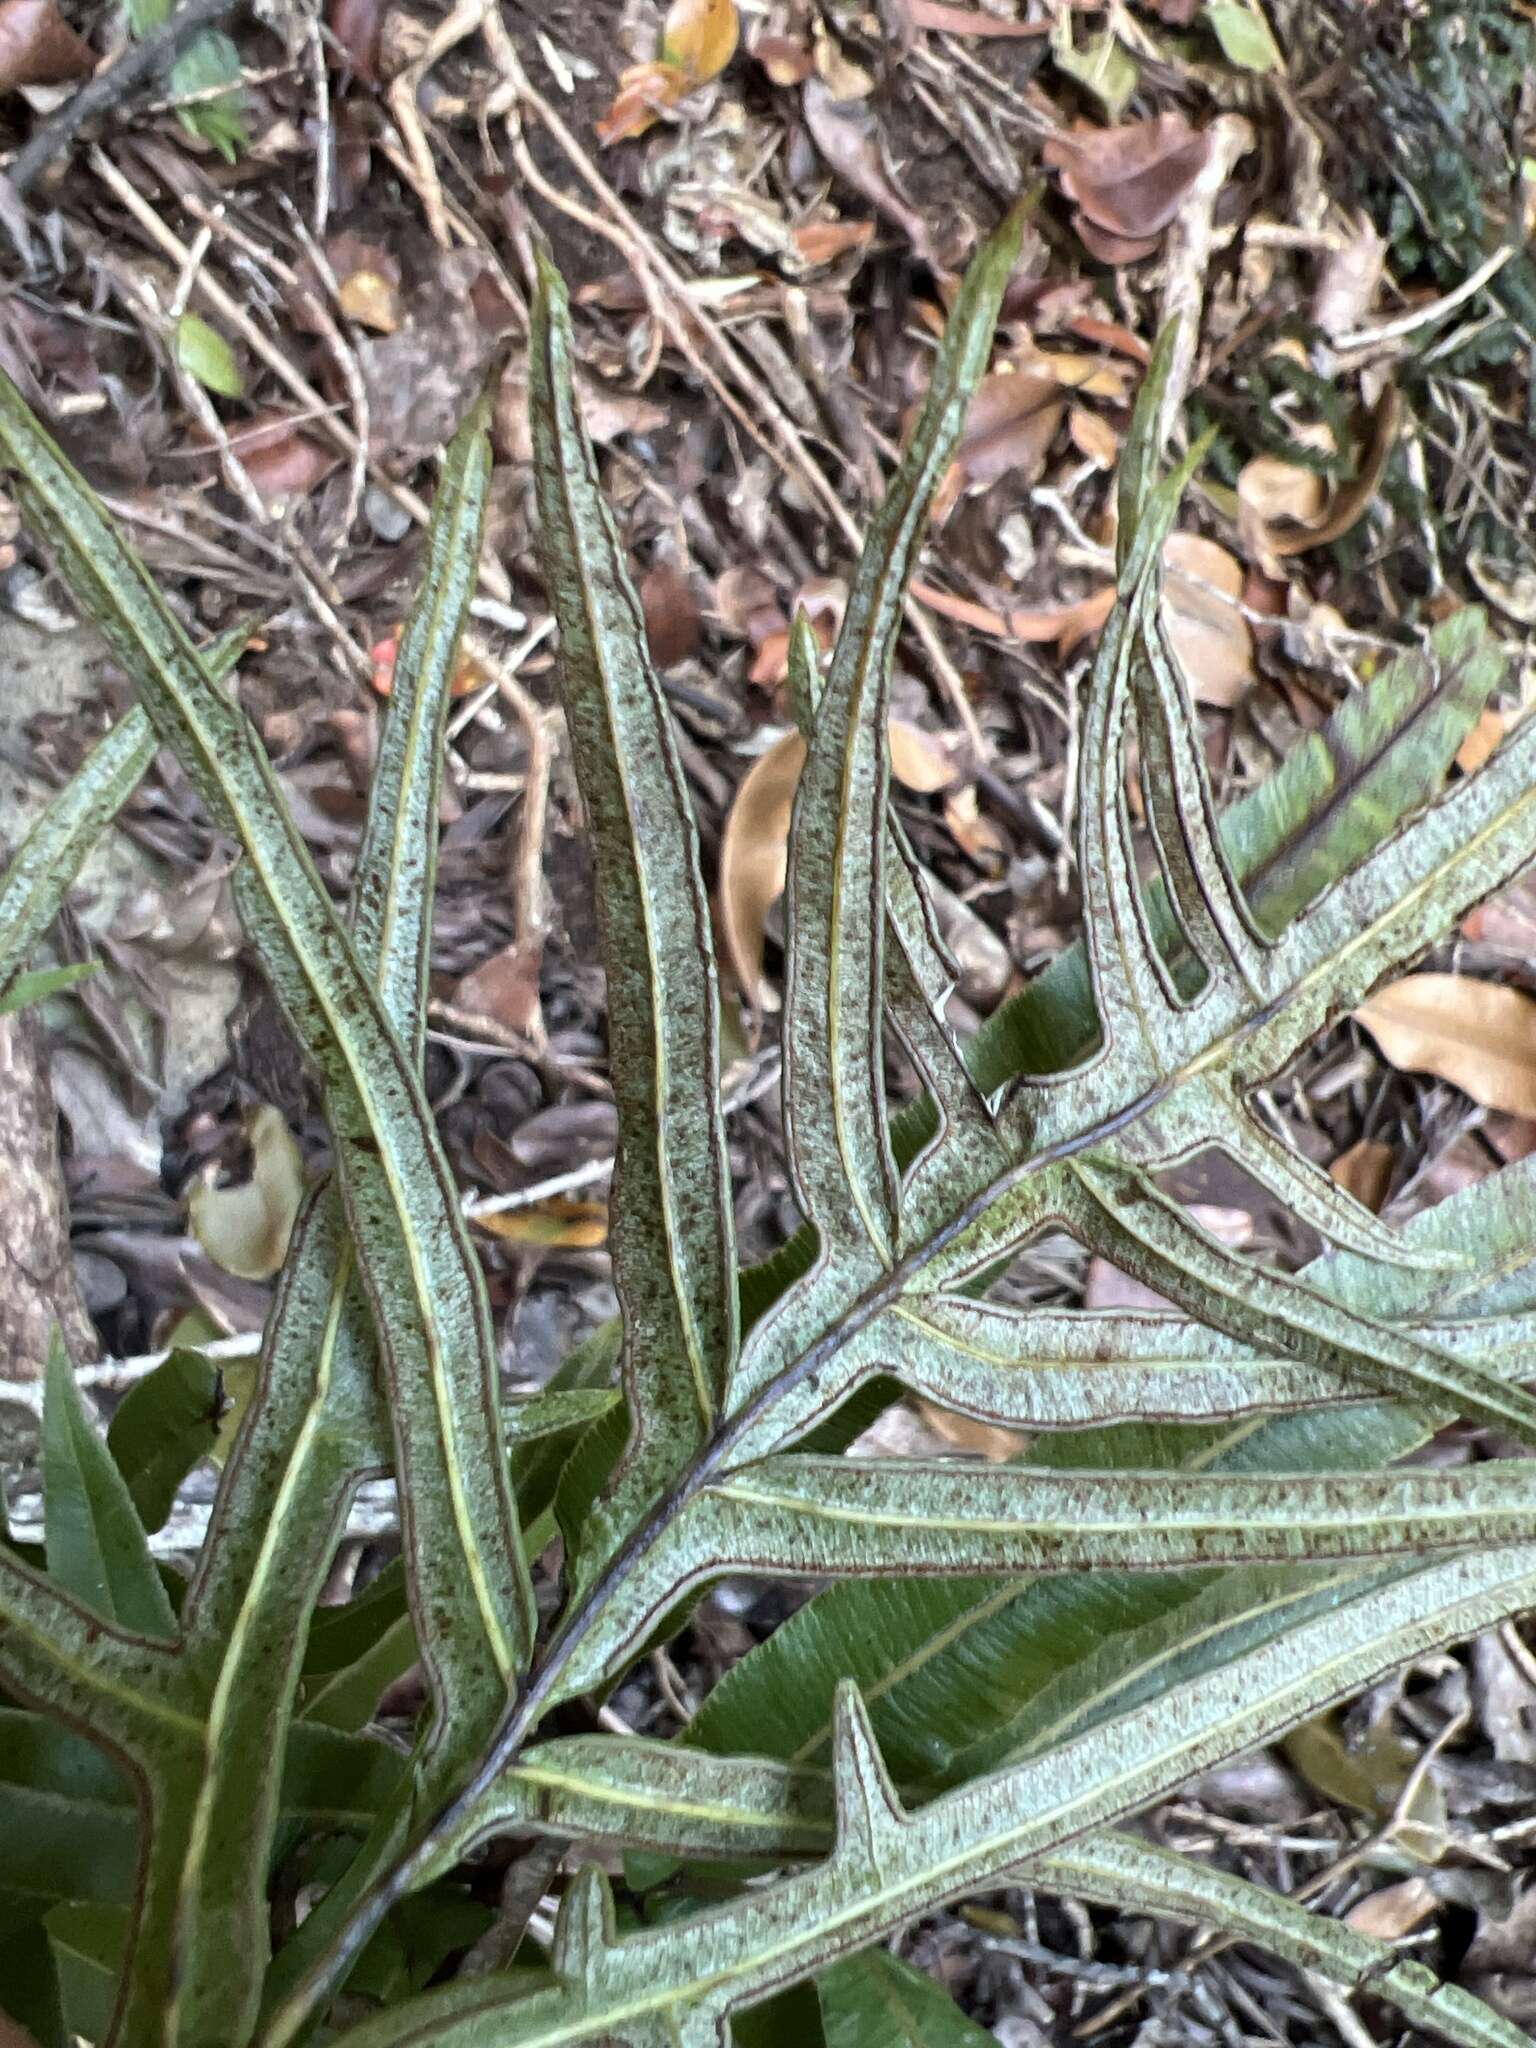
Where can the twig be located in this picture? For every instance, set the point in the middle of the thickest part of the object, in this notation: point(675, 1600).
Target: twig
point(207, 288)
point(770, 427)
point(110, 88)
point(1426, 316)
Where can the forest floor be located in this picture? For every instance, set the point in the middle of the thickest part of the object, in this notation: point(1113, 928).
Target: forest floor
point(255, 293)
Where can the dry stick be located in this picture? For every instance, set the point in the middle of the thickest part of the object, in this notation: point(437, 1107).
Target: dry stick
point(159, 326)
point(1188, 260)
point(492, 575)
point(455, 28)
point(645, 257)
point(136, 67)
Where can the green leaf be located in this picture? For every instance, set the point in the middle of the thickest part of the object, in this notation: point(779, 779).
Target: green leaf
point(88, 1944)
point(889, 1864)
point(95, 1540)
point(876, 2001)
point(1102, 66)
point(212, 60)
point(42, 983)
point(163, 1425)
point(1244, 35)
point(29, 1989)
point(205, 355)
point(836, 1125)
point(673, 1234)
point(50, 857)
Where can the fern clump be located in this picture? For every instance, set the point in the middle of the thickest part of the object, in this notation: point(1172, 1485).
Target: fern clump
point(1212, 1536)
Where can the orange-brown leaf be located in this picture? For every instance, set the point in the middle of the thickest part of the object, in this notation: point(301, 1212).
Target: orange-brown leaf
point(557, 1225)
point(699, 37)
point(1479, 1035)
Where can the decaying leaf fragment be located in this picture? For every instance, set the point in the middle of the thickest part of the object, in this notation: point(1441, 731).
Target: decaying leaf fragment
point(246, 1228)
point(698, 40)
point(754, 847)
point(1127, 182)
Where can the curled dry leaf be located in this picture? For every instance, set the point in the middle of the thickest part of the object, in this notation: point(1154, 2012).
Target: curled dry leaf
point(841, 130)
point(1093, 437)
point(1009, 428)
point(1482, 742)
point(785, 61)
point(559, 1225)
point(502, 993)
point(698, 40)
point(754, 847)
point(1395, 1910)
point(282, 462)
point(38, 46)
point(1284, 531)
point(367, 281)
point(1479, 1035)
point(1127, 182)
point(1202, 616)
point(245, 1229)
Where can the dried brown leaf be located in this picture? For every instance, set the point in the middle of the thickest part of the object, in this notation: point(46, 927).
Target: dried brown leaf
point(847, 139)
point(672, 622)
point(503, 991)
point(1482, 742)
point(1365, 1171)
point(1479, 1035)
point(1093, 437)
point(700, 37)
point(1202, 616)
point(1351, 501)
point(38, 46)
point(754, 845)
point(559, 1225)
point(1130, 180)
point(281, 461)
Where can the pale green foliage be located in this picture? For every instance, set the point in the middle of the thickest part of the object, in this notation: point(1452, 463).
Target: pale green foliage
point(1210, 1539)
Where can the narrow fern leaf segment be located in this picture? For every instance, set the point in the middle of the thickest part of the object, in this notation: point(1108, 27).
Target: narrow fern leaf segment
point(834, 1072)
point(1181, 809)
point(1067, 1368)
point(1141, 1877)
point(888, 1865)
point(45, 865)
point(421, 1274)
point(312, 1431)
point(1126, 1216)
point(673, 1234)
point(397, 860)
point(813, 1517)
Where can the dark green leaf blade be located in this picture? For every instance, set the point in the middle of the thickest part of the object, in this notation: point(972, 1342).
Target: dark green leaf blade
point(875, 2000)
point(163, 1425)
point(95, 1540)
